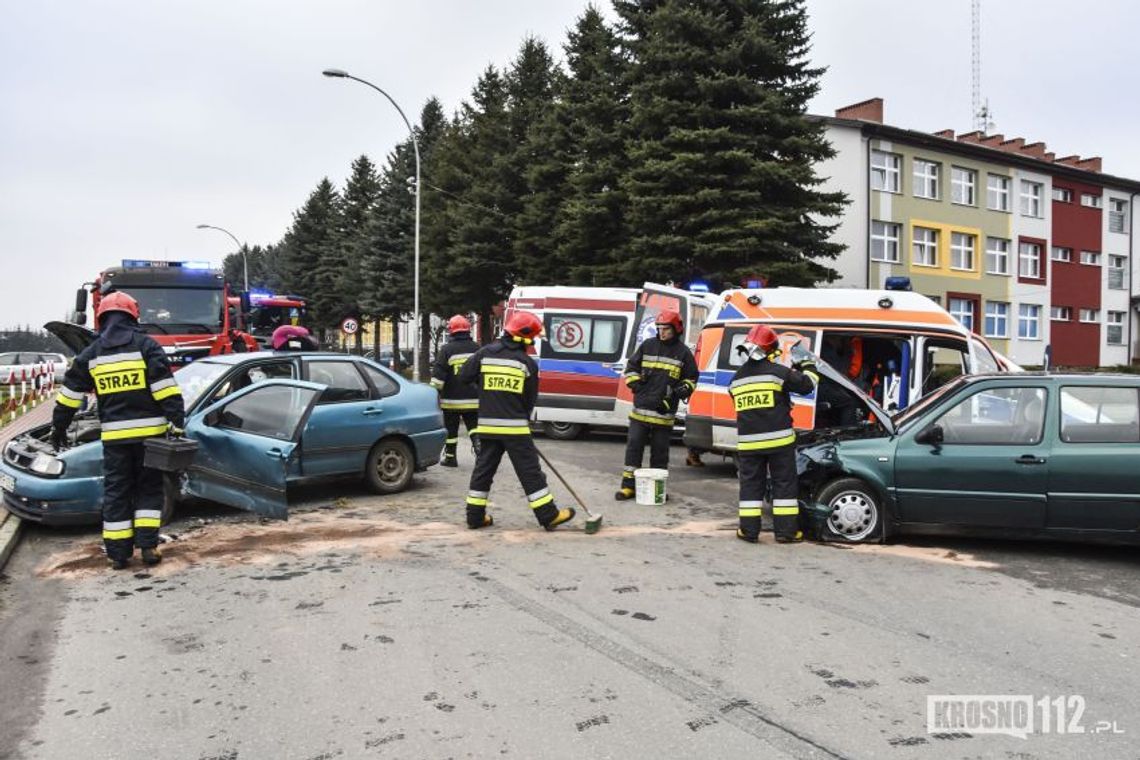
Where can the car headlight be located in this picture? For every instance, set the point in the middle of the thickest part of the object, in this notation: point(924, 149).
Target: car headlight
point(45, 464)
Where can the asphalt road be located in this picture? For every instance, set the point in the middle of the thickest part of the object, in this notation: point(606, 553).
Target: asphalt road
point(380, 627)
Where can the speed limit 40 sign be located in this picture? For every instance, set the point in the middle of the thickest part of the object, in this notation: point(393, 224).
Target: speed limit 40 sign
point(349, 326)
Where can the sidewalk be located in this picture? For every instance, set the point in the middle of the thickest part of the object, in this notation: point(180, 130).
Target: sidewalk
point(10, 524)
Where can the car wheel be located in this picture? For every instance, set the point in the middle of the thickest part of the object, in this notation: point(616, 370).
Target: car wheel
point(855, 512)
point(563, 431)
point(391, 464)
point(171, 495)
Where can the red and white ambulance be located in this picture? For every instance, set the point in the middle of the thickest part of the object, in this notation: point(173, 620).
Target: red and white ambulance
point(589, 334)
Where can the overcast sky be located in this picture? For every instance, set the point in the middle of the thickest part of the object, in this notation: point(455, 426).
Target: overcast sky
point(124, 124)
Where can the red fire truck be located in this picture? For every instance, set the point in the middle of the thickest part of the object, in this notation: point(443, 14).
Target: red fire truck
point(265, 312)
point(184, 305)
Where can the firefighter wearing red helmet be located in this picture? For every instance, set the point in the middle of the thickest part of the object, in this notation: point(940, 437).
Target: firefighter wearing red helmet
point(138, 399)
point(507, 382)
point(661, 373)
point(766, 439)
point(458, 401)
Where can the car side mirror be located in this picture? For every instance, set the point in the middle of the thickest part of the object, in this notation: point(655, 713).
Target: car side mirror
point(932, 435)
point(81, 300)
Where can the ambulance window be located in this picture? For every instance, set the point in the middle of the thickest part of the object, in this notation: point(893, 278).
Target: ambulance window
point(580, 336)
point(699, 315)
point(942, 362)
point(983, 357)
point(730, 358)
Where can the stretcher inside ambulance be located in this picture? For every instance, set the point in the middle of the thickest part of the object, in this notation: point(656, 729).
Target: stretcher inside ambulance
point(589, 334)
point(896, 346)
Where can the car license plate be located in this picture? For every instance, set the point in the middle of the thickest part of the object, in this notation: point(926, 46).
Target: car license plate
point(7, 482)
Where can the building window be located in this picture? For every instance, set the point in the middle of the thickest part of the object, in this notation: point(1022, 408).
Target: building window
point(1062, 194)
point(1029, 321)
point(1116, 265)
point(961, 251)
point(1091, 258)
point(963, 184)
point(997, 319)
point(886, 171)
point(885, 241)
point(1030, 198)
point(997, 192)
point(1090, 316)
point(1117, 215)
point(1090, 200)
point(1029, 260)
point(926, 179)
point(925, 249)
point(997, 256)
point(1114, 328)
point(1062, 254)
point(962, 309)
point(1061, 314)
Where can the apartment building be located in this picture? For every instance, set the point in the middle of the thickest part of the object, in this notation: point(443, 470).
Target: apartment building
point(1028, 249)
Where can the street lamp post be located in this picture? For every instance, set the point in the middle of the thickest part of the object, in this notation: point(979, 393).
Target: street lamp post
point(340, 74)
point(241, 249)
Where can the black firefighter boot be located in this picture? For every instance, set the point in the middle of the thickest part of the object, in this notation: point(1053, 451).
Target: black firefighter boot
point(151, 556)
point(449, 459)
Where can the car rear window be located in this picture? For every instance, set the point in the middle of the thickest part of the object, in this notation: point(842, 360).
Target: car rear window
point(1099, 414)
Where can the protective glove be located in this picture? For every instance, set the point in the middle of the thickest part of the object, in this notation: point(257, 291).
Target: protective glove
point(175, 431)
point(58, 438)
point(683, 392)
point(805, 365)
point(635, 386)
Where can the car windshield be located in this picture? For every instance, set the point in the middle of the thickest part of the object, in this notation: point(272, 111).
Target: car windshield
point(196, 377)
point(168, 310)
point(916, 409)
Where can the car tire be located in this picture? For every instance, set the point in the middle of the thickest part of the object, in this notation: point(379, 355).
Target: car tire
point(171, 495)
point(390, 466)
point(563, 431)
point(855, 511)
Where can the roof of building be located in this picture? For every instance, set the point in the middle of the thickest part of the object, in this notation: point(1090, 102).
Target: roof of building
point(866, 116)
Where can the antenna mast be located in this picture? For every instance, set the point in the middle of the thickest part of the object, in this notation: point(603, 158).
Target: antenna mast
point(981, 111)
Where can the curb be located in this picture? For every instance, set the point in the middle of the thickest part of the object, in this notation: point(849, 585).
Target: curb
point(9, 535)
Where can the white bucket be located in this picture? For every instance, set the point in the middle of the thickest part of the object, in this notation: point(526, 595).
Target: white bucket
point(650, 486)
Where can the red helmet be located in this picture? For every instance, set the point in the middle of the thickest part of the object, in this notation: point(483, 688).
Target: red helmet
point(458, 324)
point(671, 318)
point(764, 337)
point(292, 337)
point(524, 325)
point(118, 301)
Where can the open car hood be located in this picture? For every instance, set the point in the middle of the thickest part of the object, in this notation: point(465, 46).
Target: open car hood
point(869, 403)
point(75, 337)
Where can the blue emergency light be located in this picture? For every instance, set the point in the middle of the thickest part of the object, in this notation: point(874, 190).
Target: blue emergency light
point(897, 283)
point(698, 286)
point(154, 264)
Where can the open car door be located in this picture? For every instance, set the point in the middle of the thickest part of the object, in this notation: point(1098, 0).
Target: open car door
point(245, 442)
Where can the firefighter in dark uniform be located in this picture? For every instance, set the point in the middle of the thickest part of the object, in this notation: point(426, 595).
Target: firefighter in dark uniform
point(138, 399)
point(766, 440)
point(507, 382)
point(458, 401)
point(661, 373)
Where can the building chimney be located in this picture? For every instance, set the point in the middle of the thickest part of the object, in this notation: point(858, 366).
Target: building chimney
point(1035, 150)
point(992, 141)
point(1050, 156)
point(1069, 160)
point(1090, 164)
point(947, 133)
point(1013, 145)
point(868, 110)
point(971, 137)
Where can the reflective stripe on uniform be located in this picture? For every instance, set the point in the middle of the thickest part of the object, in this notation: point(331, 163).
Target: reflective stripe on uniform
point(67, 401)
point(456, 362)
point(495, 425)
point(672, 366)
point(477, 498)
point(785, 507)
point(451, 440)
point(72, 395)
point(756, 379)
point(459, 403)
point(125, 356)
point(140, 428)
point(504, 364)
point(539, 498)
point(117, 530)
point(148, 518)
point(166, 393)
point(651, 417)
point(772, 440)
point(751, 508)
point(435, 383)
point(632, 378)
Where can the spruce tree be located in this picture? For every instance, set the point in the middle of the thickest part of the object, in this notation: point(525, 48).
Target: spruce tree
point(721, 181)
point(311, 242)
point(358, 201)
point(593, 115)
